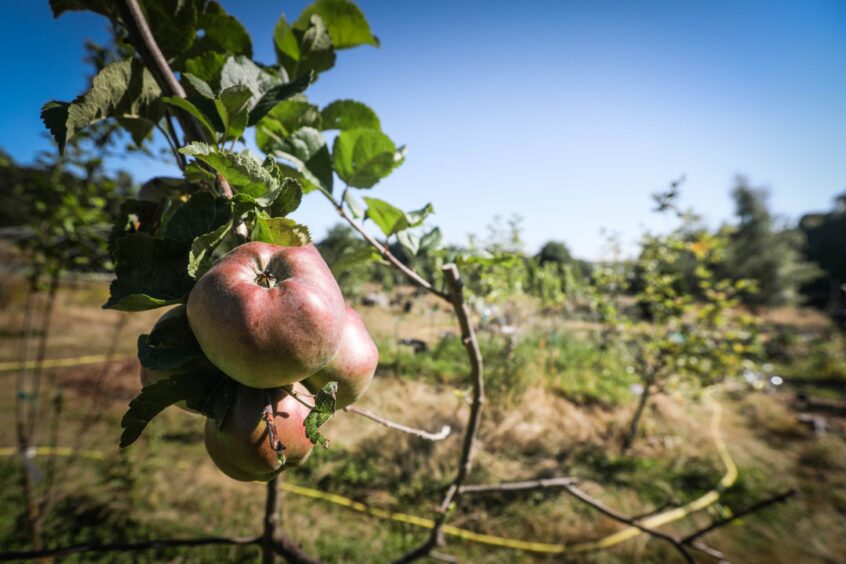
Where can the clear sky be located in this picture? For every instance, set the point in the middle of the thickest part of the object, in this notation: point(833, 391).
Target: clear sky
point(567, 113)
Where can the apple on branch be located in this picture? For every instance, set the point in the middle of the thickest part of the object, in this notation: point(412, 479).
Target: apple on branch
point(354, 365)
point(268, 316)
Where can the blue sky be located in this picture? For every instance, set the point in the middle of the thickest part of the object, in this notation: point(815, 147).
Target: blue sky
point(567, 113)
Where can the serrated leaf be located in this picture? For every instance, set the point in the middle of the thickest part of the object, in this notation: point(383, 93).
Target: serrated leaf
point(277, 94)
point(317, 53)
point(199, 215)
point(417, 217)
point(289, 198)
point(222, 32)
point(121, 89)
point(208, 391)
point(323, 410)
point(201, 86)
point(200, 257)
point(362, 157)
point(174, 24)
point(242, 71)
point(306, 149)
point(349, 114)
point(233, 107)
point(286, 46)
point(352, 258)
point(150, 273)
point(344, 21)
point(387, 217)
point(285, 118)
point(192, 109)
point(207, 66)
point(170, 345)
point(243, 171)
point(280, 231)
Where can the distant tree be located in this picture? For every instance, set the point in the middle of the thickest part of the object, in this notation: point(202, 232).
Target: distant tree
point(825, 245)
point(764, 250)
point(554, 252)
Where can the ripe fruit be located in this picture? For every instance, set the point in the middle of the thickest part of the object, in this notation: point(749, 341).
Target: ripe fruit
point(354, 365)
point(241, 448)
point(268, 316)
point(149, 375)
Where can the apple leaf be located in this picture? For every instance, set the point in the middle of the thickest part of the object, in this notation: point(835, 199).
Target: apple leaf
point(363, 157)
point(277, 94)
point(150, 273)
point(208, 391)
point(410, 241)
point(289, 198)
point(344, 21)
point(201, 86)
point(323, 410)
point(200, 256)
point(192, 109)
point(170, 345)
point(285, 118)
point(221, 32)
point(392, 220)
point(280, 231)
point(306, 149)
point(349, 114)
point(286, 45)
point(351, 258)
point(431, 240)
point(243, 171)
point(135, 216)
point(233, 106)
point(241, 71)
point(124, 88)
point(317, 54)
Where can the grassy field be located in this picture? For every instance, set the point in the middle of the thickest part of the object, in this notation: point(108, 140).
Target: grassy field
point(558, 406)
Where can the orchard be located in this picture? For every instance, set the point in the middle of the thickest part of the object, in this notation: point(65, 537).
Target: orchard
point(264, 335)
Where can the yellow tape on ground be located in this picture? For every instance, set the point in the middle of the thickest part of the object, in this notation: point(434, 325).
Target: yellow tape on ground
point(530, 546)
point(12, 366)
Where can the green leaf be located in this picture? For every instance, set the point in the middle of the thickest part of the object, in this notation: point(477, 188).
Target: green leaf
point(222, 32)
point(192, 109)
point(241, 70)
point(150, 273)
point(410, 241)
point(362, 157)
point(285, 118)
point(323, 410)
point(208, 391)
point(170, 345)
point(392, 220)
point(199, 259)
point(286, 45)
point(349, 114)
point(174, 24)
point(344, 20)
point(243, 171)
point(277, 94)
point(199, 215)
point(206, 66)
point(134, 216)
point(201, 86)
point(431, 240)
point(280, 231)
point(306, 149)
point(121, 89)
point(316, 51)
point(233, 108)
point(289, 198)
point(352, 258)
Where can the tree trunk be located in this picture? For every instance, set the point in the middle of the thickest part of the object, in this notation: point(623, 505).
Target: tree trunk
point(628, 440)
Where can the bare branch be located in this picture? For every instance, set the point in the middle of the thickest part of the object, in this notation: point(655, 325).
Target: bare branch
point(123, 547)
point(543, 483)
point(383, 250)
point(439, 436)
point(474, 355)
point(784, 496)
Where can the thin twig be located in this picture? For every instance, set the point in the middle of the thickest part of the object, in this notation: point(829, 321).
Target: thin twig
point(471, 345)
point(385, 252)
point(439, 436)
point(613, 514)
point(271, 519)
point(737, 515)
point(543, 483)
point(123, 547)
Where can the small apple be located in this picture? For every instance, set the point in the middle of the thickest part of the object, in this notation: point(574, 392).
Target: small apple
point(354, 365)
point(267, 315)
point(150, 376)
point(240, 447)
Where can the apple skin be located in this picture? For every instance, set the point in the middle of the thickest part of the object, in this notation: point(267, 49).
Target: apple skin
point(266, 337)
point(150, 376)
point(241, 448)
point(354, 365)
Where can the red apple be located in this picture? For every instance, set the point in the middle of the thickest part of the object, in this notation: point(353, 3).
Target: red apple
point(268, 316)
point(240, 447)
point(354, 365)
